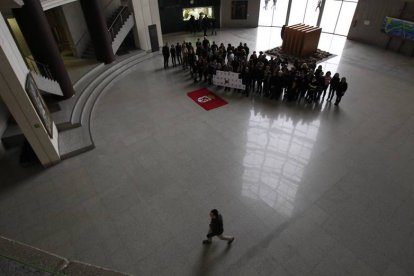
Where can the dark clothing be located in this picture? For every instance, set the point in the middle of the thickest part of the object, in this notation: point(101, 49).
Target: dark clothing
point(172, 52)
point(205, 43)
point(216, 226)
point(205, 22)
point(342, 87)
point(247, 50)
point(192, 24)
point(246, 80)
point(166, 54)
point(318, 72)
point(213, 26)
point(178, 50)
point(333, 87)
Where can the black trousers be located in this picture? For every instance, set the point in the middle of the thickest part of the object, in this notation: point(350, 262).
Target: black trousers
point(166, 61)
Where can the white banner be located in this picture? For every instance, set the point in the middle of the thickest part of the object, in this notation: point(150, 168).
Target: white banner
point(228, 79)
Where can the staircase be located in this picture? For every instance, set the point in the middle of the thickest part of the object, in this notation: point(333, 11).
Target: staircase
point(47, 85)
point(122, 33)
point(119, 25)
point(73, 118)
point(43, 77)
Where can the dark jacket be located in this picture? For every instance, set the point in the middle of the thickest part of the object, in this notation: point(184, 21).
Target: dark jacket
point(216, 225)
point(335, 82)
point(166, 51)
point(342, 87)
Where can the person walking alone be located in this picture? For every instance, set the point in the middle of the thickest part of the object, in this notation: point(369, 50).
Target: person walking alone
point(216, 228)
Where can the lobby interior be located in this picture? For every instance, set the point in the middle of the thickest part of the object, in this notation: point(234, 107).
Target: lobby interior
point(306, 189)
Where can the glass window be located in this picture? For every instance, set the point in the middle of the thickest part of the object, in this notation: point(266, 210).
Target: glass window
point(266, 13)
point(345, 18)
point(280, 12)
point(330, 15)
point(297, 11)
point(312, 12)
point(336, 18)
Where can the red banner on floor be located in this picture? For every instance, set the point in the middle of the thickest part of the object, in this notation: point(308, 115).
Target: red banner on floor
point(206, 99)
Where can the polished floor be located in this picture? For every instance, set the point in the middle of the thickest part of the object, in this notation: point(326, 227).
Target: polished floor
point(306, 190)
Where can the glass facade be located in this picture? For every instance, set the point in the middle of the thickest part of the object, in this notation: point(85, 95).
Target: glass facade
point(336, 17)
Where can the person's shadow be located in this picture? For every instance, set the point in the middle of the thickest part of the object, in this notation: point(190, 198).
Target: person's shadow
point(209, 258)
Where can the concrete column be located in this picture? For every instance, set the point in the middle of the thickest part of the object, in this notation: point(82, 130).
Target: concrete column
point(146, 13)
point(13, 75)
point(38, 35)
point(101, 39)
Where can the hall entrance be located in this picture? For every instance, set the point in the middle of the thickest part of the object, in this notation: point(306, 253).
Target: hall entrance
point(333, 16)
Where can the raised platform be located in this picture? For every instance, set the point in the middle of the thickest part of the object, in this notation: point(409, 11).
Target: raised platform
point(73, 120)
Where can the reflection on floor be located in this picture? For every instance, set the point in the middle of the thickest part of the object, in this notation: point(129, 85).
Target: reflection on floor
point(277, 152)
point(306, 189)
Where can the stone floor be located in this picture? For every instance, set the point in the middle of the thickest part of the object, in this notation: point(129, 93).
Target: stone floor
point(306, 190)
point(11, 267)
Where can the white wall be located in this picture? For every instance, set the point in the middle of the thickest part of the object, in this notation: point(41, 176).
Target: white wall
point(252, 20)
point(13, 74)
point(368, 19)
point(146, 13)
point(76, 23)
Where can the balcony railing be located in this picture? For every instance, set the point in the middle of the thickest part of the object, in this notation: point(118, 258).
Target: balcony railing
point(119, 20)
point(39, 68)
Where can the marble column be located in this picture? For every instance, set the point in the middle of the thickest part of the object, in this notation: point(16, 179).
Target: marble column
point(98, 30)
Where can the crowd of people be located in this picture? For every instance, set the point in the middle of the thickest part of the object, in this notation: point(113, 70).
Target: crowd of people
point(274, 78)
point(203, 23)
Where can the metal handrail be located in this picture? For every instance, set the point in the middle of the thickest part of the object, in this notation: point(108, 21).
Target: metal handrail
point(85, 33)
point(39, 68)
point(119, 20)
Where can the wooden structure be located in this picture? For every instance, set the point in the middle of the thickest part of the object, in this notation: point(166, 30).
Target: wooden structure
point(301, 40)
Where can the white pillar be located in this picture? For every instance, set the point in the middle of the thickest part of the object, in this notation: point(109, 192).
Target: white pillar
point(13, 74)
point(146, 13)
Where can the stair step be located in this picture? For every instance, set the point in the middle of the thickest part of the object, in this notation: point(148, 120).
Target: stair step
point(74, 141)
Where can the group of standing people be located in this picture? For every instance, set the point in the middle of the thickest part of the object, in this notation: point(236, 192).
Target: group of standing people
point(274, 78)
point(203, 23)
